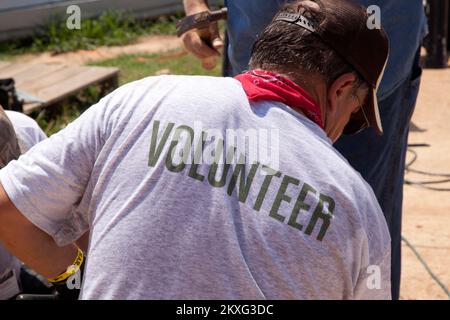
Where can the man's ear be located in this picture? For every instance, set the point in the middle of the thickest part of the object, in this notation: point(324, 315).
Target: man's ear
point(340, 89)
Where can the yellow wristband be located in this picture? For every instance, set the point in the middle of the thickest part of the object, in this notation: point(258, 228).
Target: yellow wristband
point(72, 269)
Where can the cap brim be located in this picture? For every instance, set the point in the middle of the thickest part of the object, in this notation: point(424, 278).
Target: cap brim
point(373, 113)
point(367, 116)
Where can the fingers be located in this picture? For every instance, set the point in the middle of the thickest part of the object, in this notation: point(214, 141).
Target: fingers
point(195, 45)
point(196, 42)
point(216, 40)
point(209, 63)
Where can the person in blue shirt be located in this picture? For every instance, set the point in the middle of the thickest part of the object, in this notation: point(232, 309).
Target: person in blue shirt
point(379, 159)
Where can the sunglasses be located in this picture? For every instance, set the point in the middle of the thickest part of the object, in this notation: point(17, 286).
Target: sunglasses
point(358, 121)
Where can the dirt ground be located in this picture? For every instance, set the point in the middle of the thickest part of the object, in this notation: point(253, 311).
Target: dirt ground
point(426, 222)
point(149, 45)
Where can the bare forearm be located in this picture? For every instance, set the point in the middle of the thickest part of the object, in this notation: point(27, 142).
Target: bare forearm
point(30, 244)
point(195, 6)
point(83, 242)
point(38, 250)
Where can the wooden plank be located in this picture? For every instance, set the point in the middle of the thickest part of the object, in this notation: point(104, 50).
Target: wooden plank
point(53, 78)
point(86, 77)
point(30, 107)
point(12, 69)
point(32, 70)
point(54, 82)
point(71, 85)
point(25, 80)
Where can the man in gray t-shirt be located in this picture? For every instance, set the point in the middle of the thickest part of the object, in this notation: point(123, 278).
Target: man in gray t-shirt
point(217, 188)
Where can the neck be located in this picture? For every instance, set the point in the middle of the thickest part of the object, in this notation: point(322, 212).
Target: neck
point(299, 95)
point(316, 88)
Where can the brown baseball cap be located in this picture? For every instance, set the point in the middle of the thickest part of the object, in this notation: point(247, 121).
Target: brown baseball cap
point(343, 27)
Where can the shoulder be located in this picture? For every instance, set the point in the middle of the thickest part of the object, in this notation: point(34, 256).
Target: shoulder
point(186, 80)
point(19, 119)
point(354, 189)
point(27, 129)
point(196, 98)
point(360, 209)
point(192, 86)
point(369, 213)
point(194, 92)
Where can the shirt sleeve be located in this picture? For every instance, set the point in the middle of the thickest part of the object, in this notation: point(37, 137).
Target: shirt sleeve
point(374, 276)
point(27, 130)
point(48, 183)
point(374, 281)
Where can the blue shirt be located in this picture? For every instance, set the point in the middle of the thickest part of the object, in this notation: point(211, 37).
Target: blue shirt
point(403, 20)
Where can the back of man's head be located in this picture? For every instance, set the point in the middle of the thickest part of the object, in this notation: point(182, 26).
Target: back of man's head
point(9, 146)
point(298, 53)
point(327, 47)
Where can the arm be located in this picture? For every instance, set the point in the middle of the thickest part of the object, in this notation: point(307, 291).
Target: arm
point(42, 211)
point(374, 280)
point(195, 44)
point(45, 195)
point(83, 242)
point(29, 243)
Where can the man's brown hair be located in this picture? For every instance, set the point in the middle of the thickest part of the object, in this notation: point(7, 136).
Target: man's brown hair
point(298, 53)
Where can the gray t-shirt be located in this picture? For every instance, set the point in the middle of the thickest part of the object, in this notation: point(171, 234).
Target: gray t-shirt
point(27, 130)
point(169, 219)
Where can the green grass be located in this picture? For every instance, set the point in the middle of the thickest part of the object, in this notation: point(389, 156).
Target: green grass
point(132, 67)
point(110, 29)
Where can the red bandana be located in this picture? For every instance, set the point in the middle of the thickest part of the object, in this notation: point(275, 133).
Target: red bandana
point(262, 85)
